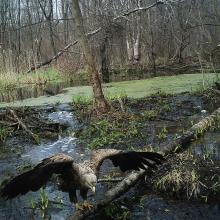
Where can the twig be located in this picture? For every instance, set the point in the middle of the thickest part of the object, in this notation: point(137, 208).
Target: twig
point(24, 127)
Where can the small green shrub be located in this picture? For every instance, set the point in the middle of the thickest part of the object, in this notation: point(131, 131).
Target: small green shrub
point(4, 133)
point(81, 100)
point(150, 114)
point(117, 211)
point(162, 134)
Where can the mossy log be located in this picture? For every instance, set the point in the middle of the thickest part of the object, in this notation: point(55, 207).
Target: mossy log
point(180, 144)
point(193, 133)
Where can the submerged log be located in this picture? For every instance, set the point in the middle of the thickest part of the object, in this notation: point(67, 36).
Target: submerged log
point(180, 144)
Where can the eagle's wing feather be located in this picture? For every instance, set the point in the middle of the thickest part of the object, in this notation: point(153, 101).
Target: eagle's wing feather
point(125, 160)
point(37, 177)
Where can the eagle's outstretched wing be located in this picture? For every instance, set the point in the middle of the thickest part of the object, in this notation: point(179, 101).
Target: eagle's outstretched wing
point(37, 177)
point(126, 160)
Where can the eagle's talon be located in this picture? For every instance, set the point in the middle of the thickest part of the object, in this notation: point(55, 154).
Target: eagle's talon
point(79, 207)
point(87, 205)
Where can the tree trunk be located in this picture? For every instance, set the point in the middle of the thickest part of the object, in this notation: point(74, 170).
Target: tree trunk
point(104, 61)
point(101, 105)
point(130, 50)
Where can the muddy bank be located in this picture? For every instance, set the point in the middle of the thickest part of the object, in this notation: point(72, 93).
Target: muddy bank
point(146, 123)
point(150, 123)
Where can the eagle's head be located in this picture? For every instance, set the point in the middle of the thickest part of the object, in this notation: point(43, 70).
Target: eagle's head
point(90, 181)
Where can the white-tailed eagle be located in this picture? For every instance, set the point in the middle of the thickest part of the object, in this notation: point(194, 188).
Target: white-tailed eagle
point(77, 176)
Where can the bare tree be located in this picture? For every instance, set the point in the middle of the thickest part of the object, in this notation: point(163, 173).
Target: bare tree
point(101, 105)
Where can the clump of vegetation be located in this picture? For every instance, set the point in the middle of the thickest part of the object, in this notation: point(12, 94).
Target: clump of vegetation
point(193, 178)
point(207, 152)
point(110, 131)
point(42, 204)
point(83, 100)
point(80, 100)
point(217, 124)
point(150, 114)
point(4, 133)
point(117, 211)
point(116, 96)
point(179, 180)
point(162, 134)
point(162, 94)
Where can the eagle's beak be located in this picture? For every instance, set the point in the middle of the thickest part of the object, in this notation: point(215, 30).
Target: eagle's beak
point(93, 189)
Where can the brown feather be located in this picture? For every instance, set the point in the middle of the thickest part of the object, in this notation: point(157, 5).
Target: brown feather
point(125, 160)
point(37, 177)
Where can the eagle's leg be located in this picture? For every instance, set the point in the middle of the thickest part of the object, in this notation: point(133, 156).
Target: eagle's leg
point(73, 199)
point(86, 204)
point(72, 196)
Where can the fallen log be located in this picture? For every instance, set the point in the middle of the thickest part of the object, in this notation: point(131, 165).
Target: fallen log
point(24, 127)
point(193, 133)
point(106, 180)
point(180, 144)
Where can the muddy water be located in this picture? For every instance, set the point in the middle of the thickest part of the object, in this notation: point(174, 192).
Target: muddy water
point(151, 206)
point(207, 146)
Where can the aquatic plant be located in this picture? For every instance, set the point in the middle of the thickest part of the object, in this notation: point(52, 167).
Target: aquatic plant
point(44, 201)
point(81, 100)
point(177, 181)
point(41, 204)
point(207, 152)
point(4, 133)
point(150, 114)
point(106, 132)
point(162, 134)
point(117, 211)
point(216, 185)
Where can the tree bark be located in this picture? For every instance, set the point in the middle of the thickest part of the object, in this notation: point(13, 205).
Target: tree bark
point(101, 105)
point(104, 61)
point(122, 187)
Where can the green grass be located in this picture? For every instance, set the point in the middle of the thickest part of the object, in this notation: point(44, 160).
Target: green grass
point(134, 88)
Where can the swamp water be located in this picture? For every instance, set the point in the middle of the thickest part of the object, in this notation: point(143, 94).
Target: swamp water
point(59, 207)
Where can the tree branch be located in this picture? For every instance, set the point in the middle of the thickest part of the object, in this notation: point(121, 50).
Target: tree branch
point(24, 127)
point(91, 34)
point(138, 9)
